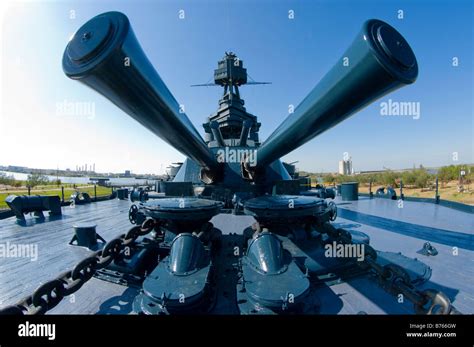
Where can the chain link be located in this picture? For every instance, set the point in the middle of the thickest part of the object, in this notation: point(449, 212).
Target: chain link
point(397, 281)
point(51, 293)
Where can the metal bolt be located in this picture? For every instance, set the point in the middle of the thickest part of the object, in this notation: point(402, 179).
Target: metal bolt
point(86, 36)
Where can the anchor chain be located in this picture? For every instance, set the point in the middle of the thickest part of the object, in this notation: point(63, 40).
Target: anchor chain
point(51, 293)
point(396, 280)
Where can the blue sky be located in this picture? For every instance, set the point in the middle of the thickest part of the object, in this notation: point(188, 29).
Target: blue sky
point(293, 54)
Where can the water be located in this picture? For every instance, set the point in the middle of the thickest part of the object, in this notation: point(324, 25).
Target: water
point(124, 181)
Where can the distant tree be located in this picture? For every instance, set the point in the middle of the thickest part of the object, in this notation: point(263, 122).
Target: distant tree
point(409, 177)
point(389, 178)
point(36, 179)
point(329, 179)
point(344, 178)
point(3, 178)
point(422, 178)
point(372, 178)
point(363, 179)
point(445, 174)
point(57, 182)
point(452, 172)
point(469, 174)
point(8, 180)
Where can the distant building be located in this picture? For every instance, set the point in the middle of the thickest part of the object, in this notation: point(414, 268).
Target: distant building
point(127, 173)
point(341, 167)
point(17, 168)
point(345, 167)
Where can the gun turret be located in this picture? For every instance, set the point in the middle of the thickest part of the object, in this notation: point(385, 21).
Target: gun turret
point(105, 55)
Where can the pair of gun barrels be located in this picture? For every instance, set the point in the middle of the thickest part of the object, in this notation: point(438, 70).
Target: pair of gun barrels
point(378, 62)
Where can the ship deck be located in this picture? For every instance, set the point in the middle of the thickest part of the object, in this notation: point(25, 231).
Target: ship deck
point(390, 228)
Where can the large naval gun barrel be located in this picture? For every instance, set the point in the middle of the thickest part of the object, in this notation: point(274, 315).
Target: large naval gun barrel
point(378, 61)
point(105, 55)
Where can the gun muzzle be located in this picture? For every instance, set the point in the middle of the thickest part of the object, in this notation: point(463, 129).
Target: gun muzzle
point(378, 62)
point(105, 55)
